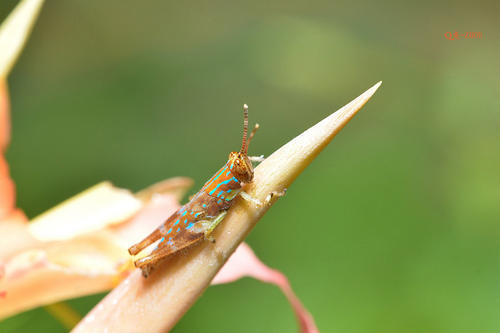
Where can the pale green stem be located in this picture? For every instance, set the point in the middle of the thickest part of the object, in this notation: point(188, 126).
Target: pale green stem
point(64, 313)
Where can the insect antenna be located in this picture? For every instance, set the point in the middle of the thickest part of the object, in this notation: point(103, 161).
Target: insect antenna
point(252, 134)
point(244, 143)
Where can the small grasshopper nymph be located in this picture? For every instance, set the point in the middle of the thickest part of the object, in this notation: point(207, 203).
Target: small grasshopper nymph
point(196, 220)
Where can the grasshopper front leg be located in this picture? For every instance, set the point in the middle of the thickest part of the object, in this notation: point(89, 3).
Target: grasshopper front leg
point(247, 197)
point(258, 159)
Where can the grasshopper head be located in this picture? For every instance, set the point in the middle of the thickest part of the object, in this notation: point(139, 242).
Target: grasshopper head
point(240, 166)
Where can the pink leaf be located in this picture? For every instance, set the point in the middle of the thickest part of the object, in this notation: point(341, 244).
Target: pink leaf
point(244, 262)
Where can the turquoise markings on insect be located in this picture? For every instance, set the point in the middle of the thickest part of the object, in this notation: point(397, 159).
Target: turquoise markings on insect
point(196, 220)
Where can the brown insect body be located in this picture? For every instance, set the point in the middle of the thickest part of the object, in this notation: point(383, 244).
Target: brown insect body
point(196, 220)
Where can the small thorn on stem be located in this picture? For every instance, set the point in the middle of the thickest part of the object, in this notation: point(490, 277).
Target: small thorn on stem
point(275, 194)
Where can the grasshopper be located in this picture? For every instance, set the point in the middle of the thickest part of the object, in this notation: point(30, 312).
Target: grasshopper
point(196, 220)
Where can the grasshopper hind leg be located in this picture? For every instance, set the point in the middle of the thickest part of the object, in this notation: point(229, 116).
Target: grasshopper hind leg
point(149, 262)
point(163, 251)
point(153, 237)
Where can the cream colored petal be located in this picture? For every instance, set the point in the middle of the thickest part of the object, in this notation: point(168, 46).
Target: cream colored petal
point(160, 301)
point(14, 31)
point(15, 236)
point(100, 206)
point(91, 210)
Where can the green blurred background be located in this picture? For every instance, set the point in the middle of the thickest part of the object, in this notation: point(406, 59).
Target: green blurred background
point(394, 228)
